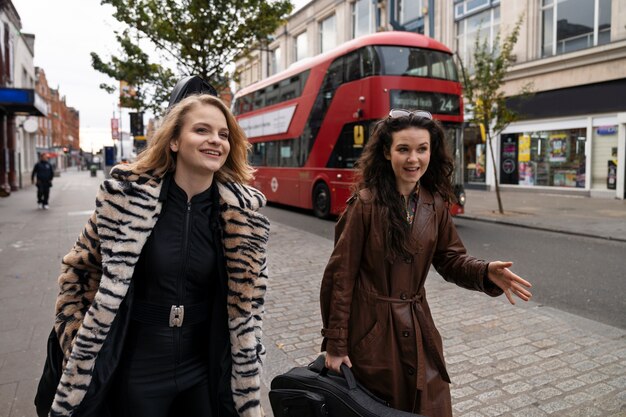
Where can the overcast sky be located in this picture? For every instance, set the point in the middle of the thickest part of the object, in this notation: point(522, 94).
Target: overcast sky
point(66, 32)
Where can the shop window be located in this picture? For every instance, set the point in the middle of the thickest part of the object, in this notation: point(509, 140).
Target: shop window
point(474, 153)
point(547, 158)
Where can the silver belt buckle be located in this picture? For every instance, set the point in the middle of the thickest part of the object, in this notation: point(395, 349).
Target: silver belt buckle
point(177, 314)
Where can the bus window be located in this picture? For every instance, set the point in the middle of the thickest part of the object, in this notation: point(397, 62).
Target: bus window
point(259, 99)
point(271, 154)
point(352, 67)
point(416, 62)
point(334, 76)
point(273, 95)
point(438, 66)
point(257, 156)
point(288, 153)
point(370, 61)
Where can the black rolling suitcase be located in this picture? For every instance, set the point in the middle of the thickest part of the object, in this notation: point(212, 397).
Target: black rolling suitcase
point(312, 391)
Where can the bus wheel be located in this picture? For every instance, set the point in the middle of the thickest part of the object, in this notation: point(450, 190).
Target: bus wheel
point(321, 200)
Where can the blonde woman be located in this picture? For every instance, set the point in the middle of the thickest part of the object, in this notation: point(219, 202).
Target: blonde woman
point(160, 303)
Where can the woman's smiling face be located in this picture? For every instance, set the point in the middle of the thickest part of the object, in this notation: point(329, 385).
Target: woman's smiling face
point(409, 155)
point(203, 144)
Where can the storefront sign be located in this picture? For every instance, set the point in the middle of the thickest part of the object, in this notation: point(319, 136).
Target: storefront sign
point(606, 130)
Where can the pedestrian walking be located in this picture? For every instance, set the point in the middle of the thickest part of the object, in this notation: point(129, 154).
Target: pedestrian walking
point(44, 172)
point(375, 314)
point(161, 298)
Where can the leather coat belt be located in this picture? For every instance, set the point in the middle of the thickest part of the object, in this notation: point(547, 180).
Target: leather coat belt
point(172, 315)
point(428, 334)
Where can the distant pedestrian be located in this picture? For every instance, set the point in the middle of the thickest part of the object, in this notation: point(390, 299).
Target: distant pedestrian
point(161, 298)
point(375, 315)
point(44, 172)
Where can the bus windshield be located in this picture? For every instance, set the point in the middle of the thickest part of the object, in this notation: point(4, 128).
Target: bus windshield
point(415, 62)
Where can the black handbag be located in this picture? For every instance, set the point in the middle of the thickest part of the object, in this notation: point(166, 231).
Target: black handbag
point(50, 376)
point(314, 391)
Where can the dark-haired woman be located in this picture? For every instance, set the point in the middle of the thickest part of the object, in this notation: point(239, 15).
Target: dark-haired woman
point(375, 314)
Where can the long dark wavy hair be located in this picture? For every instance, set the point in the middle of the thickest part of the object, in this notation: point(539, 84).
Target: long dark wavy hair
point(374, 172)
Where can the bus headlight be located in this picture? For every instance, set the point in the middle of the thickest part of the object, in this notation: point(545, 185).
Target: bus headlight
point(461, 198)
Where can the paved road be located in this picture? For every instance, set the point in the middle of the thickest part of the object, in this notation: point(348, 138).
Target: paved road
point(581, 275)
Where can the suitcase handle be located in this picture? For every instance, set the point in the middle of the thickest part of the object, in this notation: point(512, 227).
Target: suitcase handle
point(347, 374)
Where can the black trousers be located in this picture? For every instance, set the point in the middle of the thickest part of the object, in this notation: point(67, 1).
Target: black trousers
point(43, 192)
point(164, 372)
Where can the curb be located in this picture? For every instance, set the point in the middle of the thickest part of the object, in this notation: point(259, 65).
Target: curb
point(544, 229)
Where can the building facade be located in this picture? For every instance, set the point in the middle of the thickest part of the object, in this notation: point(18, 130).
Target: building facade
point(571, 136)
point(43, 136)
point(18, 100)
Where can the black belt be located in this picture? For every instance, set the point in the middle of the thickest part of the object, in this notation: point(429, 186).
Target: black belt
point(172, 315)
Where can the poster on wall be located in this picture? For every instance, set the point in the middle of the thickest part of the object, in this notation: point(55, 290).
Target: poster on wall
point(558, 147)
point(508, 160)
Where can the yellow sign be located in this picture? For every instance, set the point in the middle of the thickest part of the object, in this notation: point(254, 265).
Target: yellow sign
point(139, 137)
point(524, 149)
point(483, 134)
point(359, 136)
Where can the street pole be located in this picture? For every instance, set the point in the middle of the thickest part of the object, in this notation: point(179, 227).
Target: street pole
point(121, 133)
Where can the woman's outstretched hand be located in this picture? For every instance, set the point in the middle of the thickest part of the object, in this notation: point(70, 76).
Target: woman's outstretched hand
point(500, 274)
point(334, 362)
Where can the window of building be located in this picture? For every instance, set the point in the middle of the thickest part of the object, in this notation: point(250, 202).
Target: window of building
point(483, 25)
point(328, 34)
point(362, 18)
point(553, 158)
point(276, 61)
point(466, 7)
point(572, 25)
point(409, 10)
point(302, 46)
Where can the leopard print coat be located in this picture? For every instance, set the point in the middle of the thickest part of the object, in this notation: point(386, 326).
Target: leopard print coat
point(97, 272)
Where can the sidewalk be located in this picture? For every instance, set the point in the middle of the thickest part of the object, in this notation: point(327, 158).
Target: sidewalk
point(584, 216)
point(524, 360)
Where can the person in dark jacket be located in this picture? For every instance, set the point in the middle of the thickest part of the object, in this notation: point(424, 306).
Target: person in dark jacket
point(161, 299)
point(44, 172)
point(375, 314)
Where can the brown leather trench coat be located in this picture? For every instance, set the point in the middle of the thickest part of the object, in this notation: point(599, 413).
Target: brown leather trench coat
point(374, 307)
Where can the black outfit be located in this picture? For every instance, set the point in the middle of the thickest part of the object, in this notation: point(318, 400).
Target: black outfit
point(166, 370)
point(184, 366)
point(44, 172)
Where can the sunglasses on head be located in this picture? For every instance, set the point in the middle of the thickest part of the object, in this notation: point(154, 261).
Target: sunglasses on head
point(395, 113)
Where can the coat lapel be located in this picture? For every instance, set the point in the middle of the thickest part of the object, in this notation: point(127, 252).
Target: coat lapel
point(126, 212)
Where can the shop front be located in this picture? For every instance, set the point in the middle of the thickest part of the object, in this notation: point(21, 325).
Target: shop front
point(581, 156)
point(548, 158)
point(570, 140)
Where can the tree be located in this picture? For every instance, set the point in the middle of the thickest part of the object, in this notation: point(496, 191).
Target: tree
point(152, 82)
point(483, 89)
point(196, 37)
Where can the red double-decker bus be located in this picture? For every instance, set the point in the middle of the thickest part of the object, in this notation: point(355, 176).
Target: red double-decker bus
point(308, 124)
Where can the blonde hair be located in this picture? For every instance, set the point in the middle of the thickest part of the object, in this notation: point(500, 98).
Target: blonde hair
point(158, 159)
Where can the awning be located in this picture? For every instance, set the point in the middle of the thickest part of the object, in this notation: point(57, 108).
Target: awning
point(22, 101)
